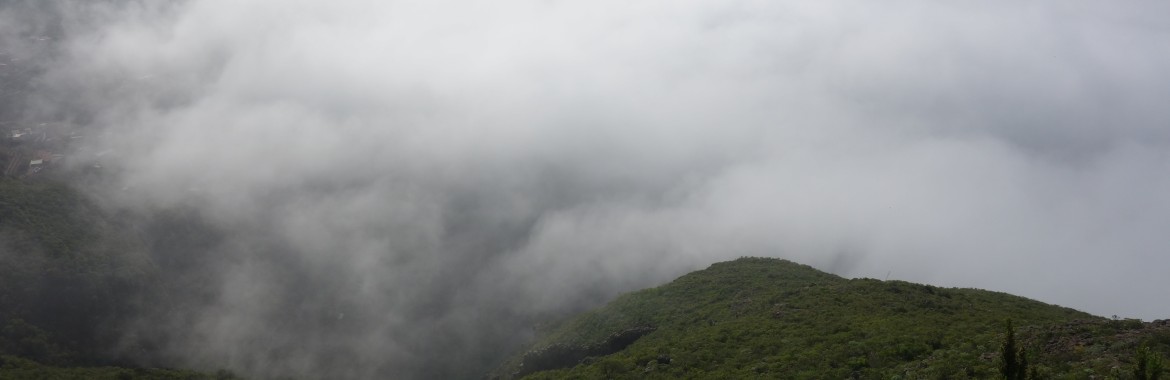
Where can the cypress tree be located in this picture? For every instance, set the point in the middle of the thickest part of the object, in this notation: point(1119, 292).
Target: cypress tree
point(1014, 360)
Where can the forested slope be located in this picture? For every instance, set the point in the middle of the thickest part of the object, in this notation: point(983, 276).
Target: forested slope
point(768, 318)
point(72, 275)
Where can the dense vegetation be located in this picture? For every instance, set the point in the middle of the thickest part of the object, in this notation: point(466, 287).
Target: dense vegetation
point(67, 271)
point(768, 318)
point(71, 274)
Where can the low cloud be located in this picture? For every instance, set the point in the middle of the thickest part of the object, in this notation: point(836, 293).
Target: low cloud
point(421, 182)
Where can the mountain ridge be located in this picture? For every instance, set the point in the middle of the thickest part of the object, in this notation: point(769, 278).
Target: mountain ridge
point(763, 317)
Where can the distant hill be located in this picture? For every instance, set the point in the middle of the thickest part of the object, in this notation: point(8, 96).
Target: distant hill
point(770, 318)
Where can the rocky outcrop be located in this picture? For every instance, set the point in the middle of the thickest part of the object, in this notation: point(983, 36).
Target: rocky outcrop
point(565, 356)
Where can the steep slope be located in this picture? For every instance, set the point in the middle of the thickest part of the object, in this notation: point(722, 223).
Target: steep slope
point(71, 274)
point(69, 270)
point(769, 318)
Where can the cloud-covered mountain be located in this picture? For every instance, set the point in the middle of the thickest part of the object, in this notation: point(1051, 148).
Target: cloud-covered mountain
point(403, 188)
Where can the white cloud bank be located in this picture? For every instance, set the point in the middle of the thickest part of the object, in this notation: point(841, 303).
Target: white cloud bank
point(441, 167)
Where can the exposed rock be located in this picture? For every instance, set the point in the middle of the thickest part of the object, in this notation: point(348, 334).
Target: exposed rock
point(564, 356)
point(620, 340)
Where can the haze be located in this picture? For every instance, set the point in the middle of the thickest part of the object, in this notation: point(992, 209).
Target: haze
point(417, 183)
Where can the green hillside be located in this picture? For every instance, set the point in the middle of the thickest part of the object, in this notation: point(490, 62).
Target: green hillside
point(70, 274)
point(769, 318)
point(68, 269)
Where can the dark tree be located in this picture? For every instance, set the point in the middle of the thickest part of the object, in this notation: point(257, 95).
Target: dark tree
point(1014, 360)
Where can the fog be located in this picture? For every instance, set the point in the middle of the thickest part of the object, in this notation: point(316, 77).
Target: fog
point(408, 187)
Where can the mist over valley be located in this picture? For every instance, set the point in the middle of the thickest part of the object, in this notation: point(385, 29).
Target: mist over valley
point(361, 189)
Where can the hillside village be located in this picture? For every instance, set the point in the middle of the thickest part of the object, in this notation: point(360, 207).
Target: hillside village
point(30, 145)
point(31, 151)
